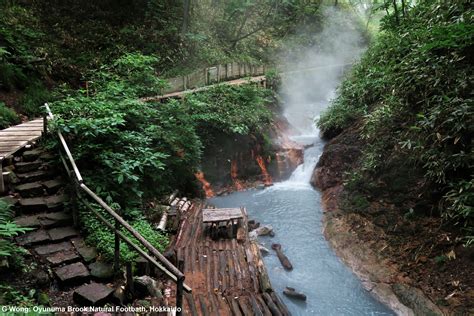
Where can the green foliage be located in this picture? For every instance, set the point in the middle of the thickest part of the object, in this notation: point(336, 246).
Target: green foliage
point(8, 229)
point(129, 150)
point(231, 109)
point(7, 116)
point(126, 146)
point(412, 94)
point(102, 237)
point(35, 95)
point(18, 298)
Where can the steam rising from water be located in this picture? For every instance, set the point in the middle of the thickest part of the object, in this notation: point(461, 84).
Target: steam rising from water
point(306, 93)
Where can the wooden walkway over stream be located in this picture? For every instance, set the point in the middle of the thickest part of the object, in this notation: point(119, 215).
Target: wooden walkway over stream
point(228, 276)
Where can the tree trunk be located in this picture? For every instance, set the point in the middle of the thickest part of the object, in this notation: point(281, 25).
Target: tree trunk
point(186, 17)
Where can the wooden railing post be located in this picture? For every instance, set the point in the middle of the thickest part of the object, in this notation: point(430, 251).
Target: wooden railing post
point(45, 123)
point(129, 273)
point(179, 296)
point(2, 184)
point(117, 249)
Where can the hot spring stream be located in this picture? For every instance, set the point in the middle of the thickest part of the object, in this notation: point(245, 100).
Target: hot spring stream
point(293, 208)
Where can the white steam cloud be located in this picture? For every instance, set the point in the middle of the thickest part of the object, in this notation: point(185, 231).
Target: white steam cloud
point(306, 93)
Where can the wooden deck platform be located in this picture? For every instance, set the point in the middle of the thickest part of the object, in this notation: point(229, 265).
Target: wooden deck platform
point(227, 276)
point(16, 137)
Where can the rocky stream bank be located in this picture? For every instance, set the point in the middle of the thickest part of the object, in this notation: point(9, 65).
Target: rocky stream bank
point(395, 257)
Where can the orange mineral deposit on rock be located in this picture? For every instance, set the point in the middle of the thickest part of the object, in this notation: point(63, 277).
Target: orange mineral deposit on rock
point(206, 186)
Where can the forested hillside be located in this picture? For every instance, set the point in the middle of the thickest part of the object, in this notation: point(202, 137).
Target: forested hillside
point(406, 112)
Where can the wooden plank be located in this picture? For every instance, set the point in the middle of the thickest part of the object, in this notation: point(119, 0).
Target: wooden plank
point(12, 142)
point(12, 138)
point(24, 127)
point(21, 133)
point(220, 215)
point(192, 306)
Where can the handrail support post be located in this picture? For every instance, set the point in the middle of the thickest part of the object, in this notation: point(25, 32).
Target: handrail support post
point(2, 184)
point(117, 249)
point(179, 296)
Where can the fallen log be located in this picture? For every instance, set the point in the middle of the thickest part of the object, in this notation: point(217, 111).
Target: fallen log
point(292, 293)
point(172, 196)
point(162, 224)
point(263, 278)
point(271, 305)
point(285, 262)
point(284, 310)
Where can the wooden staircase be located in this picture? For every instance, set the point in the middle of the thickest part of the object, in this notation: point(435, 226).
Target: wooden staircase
point(42, 204)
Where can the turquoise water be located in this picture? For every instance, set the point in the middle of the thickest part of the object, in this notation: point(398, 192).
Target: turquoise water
point(295, 213)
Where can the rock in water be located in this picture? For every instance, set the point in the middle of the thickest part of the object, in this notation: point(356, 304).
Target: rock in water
point(147, 286)
point(264, 251)
point(292, 293)
point(261, 231)
point(283, 259)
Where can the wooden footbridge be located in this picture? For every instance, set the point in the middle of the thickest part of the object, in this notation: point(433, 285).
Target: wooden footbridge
point(14, 138)
point(228, 74)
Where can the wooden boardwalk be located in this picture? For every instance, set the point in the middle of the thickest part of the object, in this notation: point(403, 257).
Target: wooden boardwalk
point(181, 94)
point(228, 276)
point(16, 137)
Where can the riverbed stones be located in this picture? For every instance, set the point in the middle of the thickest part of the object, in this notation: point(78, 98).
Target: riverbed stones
point(261, 231)
point(147, 286)
point(263, 250)
point(72, 272)
point(93, 294)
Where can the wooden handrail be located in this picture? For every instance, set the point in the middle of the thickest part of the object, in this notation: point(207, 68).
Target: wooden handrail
point(162, 264)
point(66, 148)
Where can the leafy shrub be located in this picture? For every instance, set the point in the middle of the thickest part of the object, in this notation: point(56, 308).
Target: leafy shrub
point(412, 93)
point(8, 229)
point(126, 146)
point(103, 238)
point(231, 109)
point(7, 116)
point(35, 95)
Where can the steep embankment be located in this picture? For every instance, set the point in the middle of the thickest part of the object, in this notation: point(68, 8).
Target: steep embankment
point(397, 177)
